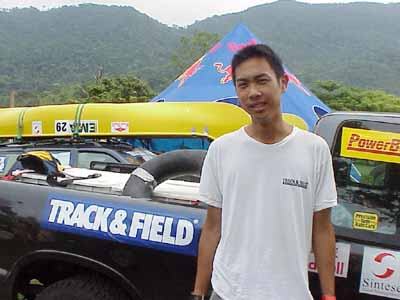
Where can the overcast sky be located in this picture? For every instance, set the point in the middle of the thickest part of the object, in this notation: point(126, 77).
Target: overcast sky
point(180, 12)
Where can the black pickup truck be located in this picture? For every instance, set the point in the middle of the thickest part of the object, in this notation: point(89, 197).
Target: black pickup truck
point(68, 243)
point(75, 152)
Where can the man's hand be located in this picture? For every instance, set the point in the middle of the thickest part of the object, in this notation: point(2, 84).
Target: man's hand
point(209, 239)
point(324, 247)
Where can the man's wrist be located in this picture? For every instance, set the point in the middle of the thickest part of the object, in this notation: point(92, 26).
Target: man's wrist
point(197, 297)
point(327, 297)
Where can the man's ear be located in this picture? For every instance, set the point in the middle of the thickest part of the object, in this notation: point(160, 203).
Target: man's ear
point(284, 81)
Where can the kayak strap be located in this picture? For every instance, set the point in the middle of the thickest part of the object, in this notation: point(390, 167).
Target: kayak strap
point(77, 121)
point(20, 124)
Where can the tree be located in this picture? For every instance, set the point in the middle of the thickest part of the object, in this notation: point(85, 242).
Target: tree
point(191, 49)
point(342, 97)
point(126, 88)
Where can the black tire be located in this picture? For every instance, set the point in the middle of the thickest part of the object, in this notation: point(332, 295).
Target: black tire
point(82, 288)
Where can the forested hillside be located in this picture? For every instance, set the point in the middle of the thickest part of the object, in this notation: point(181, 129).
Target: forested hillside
point(40, 50)
point(355, 43)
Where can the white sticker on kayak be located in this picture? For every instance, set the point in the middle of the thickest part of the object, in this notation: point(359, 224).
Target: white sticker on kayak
point(68, 126)
point(37, 128)
point(341, 263)
point(3, 161)
point(119, 127)
point(380, 273)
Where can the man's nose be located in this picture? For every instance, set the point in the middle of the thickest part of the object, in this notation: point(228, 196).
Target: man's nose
point(254, 91)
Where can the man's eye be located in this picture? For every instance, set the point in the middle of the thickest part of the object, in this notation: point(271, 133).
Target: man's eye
point(263, 81)
point(242, 85)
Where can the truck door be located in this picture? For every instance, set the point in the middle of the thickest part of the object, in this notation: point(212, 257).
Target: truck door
point(366, 159)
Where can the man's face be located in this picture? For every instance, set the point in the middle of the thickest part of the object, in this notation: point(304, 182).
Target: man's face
point(259, 90)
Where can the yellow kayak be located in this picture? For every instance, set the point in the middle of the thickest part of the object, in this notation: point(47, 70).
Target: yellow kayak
point(209, 119)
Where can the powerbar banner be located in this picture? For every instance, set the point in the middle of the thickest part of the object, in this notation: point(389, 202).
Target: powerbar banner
point(141, 225)
point(371, 145)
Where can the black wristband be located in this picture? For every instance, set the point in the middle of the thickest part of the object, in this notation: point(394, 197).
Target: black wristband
point(197, 297)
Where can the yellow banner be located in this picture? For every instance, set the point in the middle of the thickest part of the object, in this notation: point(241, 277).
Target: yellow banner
point(371, 145)
point(365, 221)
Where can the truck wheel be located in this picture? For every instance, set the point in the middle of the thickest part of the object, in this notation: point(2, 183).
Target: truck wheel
point(82, 288)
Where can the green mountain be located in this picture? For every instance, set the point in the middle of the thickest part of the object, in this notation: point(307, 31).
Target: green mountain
point(40, 50)
point(357, 44)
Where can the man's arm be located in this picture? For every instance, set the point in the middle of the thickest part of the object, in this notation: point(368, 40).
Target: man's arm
point(209, 240)
point(324, 247)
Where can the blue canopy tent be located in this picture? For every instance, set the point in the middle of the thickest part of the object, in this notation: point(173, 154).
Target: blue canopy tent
point(210, 79)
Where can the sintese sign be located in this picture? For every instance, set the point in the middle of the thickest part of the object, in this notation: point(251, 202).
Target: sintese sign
point(380, 273)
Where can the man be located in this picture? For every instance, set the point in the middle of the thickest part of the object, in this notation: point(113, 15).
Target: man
point(269, 187)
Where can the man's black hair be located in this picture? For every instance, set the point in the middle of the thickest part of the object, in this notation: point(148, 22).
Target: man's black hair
point(258, 51)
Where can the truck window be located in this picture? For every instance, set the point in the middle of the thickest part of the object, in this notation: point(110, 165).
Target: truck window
point(366, 161)
point(85, 158)
point(7, 160)
point(64, 157)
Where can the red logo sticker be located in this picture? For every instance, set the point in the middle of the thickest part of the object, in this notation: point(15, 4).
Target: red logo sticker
point(388, 272)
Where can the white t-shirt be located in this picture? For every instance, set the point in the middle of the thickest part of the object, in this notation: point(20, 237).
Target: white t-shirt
point(268, 194)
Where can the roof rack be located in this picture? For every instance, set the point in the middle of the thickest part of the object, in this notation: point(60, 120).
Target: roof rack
point(106, 143)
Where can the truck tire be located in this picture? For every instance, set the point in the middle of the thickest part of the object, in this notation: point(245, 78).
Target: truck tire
point(82, 288)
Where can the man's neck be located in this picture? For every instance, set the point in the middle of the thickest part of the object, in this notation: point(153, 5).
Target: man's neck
point(268, 132)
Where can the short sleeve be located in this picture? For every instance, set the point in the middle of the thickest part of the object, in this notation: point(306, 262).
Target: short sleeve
point(325, 189)
point(210, 191)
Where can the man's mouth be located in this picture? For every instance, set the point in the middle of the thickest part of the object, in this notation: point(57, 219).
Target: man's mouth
point(257, 105)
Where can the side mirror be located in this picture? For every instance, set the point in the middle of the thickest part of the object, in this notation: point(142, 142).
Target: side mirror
point(341, 168)
point(394, 177)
